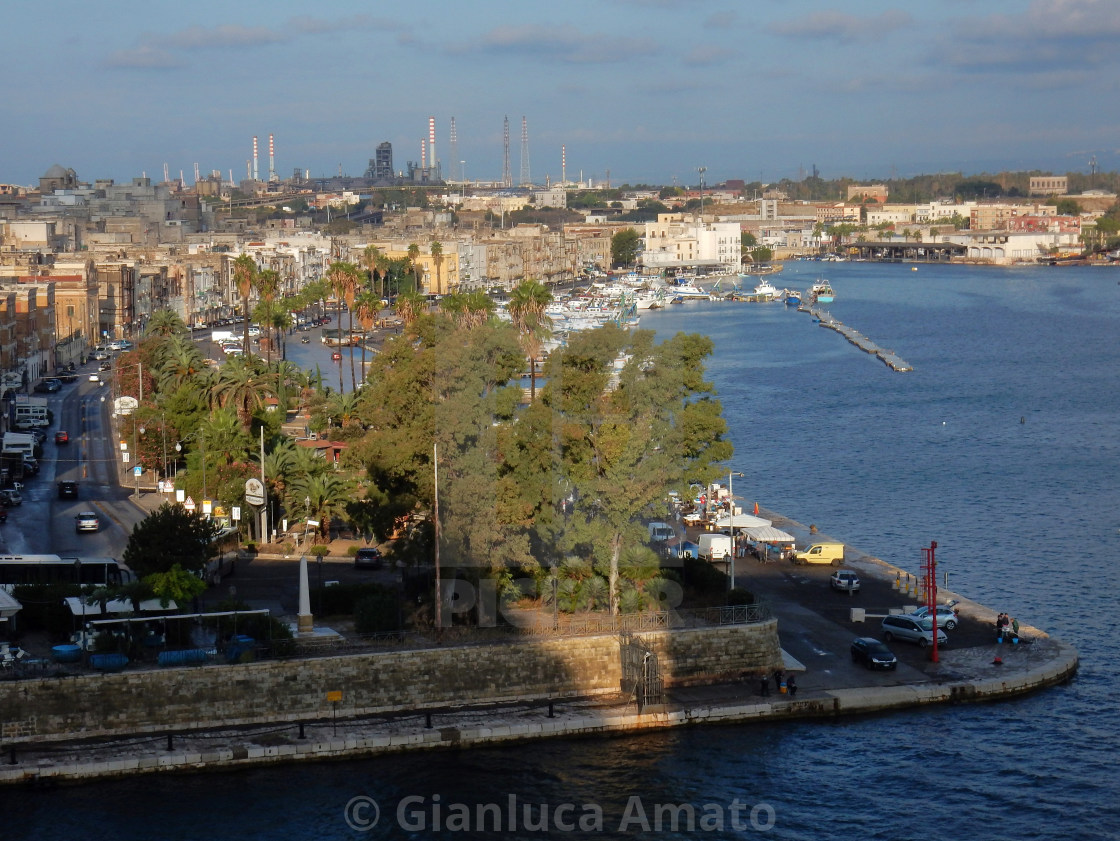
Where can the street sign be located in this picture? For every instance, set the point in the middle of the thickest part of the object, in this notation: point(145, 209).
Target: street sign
point(137, 470)
point(236, 509)
point(254, 492)
point(189, 504)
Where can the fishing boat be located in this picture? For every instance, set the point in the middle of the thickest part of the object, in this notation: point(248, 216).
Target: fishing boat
point(766, 291)
point(792, 297)
point(822, 293)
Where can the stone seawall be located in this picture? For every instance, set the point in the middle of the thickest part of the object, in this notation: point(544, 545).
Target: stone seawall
point(210, 697)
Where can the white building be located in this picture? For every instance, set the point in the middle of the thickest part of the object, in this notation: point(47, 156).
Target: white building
point(674, 242)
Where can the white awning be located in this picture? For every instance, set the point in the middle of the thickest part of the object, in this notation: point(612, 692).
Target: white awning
point(78, 607)
point(9, 605)
point(741, 521)
point(768, 534)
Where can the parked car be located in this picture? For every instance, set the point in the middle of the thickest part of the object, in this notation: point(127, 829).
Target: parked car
point(368, 557)
point(845, 580)
point(49, 385)
point(873, 654)
point(912, 629)
point(946, 616)
point(67, 489)
point(62, 437)
point(10, 497)
point(87, 521)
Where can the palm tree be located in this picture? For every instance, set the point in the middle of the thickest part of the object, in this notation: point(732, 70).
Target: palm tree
point(325, 495)
point(243, 385)
point(165, 323)
point(526, 308)
point(344, 279)
point(268, 284)
point(366, 307)
point(409, 306)
point(375, 263)
point(437, 258)
point(178, 362)
point(414, 264)
point(245, 276)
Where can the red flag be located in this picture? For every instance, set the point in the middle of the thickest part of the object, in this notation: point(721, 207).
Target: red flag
point(756, 509)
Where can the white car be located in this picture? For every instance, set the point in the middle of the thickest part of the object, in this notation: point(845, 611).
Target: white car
point(95, 377)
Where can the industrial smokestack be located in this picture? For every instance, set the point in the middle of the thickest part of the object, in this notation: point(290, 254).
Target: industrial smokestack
point(432, 140)
point(253, 174)
point(423, 153)
point(271, 160)
point(563, 165)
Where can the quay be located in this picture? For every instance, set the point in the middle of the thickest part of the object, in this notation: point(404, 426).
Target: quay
point(889, 358)
point(815, 627)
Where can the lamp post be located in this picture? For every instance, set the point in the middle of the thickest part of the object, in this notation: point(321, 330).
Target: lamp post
point(731, 494)
point(136, 455)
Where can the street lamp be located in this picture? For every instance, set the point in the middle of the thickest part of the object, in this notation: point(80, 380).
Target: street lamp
point(731, 495)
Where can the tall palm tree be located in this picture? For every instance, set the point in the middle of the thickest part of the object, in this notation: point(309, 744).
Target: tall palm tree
point(245, 276)
point(414, 264)
point(374, 261)
point(437, 258)
point(268, 285)
point(325, 495)
point(344, 279)
point(526, 308)
point(366, 308)
point(178, 362)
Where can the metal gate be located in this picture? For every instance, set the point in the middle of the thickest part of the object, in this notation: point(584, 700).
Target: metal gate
point(641, 674)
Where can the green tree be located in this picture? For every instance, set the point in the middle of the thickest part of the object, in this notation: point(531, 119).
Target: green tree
point(243, 384)
point(622, 446)
point(165, 323)
point(1068, 207)
point(345, 279)
point(437, 258)
point(624, 247)
point(168, 537)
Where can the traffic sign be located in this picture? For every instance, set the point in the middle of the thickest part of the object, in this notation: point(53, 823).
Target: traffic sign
point(137, 470)
point(189, 504)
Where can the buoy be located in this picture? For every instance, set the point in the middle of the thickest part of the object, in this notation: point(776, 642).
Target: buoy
point(998, 661)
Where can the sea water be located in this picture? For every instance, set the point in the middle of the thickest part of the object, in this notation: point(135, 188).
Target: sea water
point(1003, 445)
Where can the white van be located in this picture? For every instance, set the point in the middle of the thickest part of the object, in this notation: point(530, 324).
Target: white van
point(661, 532)
point(715, 547)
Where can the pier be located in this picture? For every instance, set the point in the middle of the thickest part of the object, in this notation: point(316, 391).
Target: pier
point(889, 358)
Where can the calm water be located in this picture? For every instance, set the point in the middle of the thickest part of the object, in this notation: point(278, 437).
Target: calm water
point(1003, 446)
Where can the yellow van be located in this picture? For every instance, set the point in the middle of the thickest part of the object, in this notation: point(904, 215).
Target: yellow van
point(821, 553)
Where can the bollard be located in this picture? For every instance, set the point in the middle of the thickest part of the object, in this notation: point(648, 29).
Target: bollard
point(897, 581)
point(302, 735)
point(428, 720)
point(12, 756)
point(170, 743)
point(551, 712)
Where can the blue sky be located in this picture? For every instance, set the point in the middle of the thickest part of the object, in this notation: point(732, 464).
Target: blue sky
point(648, 90)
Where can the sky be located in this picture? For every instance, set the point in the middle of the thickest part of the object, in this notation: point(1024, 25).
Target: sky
point(637, 91)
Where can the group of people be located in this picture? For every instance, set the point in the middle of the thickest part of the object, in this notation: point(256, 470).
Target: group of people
point(1003, 623)
point(780, 677)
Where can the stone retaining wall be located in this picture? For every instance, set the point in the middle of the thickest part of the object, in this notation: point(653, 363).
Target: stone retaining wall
point(198, 698)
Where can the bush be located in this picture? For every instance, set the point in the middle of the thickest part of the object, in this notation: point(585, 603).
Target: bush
point(342, 599)
point(44, 610)
point(740, 596)
point(703, 577)
point(377, 613)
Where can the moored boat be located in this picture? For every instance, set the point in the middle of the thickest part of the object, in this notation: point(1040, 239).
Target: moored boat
point(792, 297)
point(822, 292)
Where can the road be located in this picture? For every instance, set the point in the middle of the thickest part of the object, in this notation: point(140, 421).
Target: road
point(44, 523)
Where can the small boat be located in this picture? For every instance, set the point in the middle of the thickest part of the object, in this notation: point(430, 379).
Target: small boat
point(336, 356)
point(792, 297)
point(822, 293)
point(766, 291)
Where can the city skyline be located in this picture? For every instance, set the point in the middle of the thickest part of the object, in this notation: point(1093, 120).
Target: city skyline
point(647, 90)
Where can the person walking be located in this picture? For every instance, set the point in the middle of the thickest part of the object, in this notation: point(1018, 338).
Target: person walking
point(791, 685)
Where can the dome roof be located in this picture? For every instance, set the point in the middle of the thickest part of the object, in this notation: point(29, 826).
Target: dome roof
point(55, 171)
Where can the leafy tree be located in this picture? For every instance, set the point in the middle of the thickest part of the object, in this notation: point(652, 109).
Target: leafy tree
point(748, 240)
point(165, 323)
point(170, 537)
point(1068, 207)
point(624, 247)
point(621, 448)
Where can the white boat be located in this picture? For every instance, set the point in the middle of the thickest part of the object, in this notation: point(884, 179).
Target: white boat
point(688, 291)
point(766, 291)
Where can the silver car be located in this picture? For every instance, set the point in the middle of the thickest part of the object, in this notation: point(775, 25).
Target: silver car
point(912, 629)
point(946, 616)
point(87, 521)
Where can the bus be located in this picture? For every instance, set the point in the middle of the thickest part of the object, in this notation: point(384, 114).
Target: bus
point(16, 570)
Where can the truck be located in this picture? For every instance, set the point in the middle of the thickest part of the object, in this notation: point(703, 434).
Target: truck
point(714, 547)
point(821, 553)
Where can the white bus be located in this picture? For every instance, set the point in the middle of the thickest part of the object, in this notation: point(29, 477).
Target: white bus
point(52, 569)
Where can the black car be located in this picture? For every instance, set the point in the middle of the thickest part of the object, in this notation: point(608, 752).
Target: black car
point(368, 558)
point(872, 654)
point(49, 385)
point(67, 489)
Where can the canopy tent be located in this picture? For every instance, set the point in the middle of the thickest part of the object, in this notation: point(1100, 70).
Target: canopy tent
point(741, 521)
point(78, 607)
point(768, 534)
point(9, 605)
